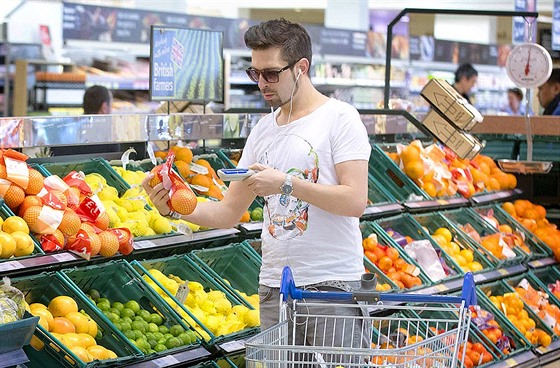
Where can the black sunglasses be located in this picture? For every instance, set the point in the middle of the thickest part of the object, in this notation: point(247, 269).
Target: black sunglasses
point(271, 76)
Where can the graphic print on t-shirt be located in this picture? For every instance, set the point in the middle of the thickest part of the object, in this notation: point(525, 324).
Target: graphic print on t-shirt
point(290, 153)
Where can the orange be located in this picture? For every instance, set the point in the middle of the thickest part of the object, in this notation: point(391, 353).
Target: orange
point(35, 183)
point(410, 153)
point(62, 305)
point(521, 205)
point(95, 243)
point(203, 162)
point(202, 180)
point(504, 228)
point(87, 227)
point(81, 353)
point(61, 197)
point(512, 181)
point(15, 223)
point(430, 189)
point(161, 154)
point(385, 263)
point(369, 244)
point(183, 168)
point(414, 169)
point(102, 221)
point(531, 213)
point(493, 184)
point(80, 321)
point(3, 172)
point(246, 217)
point(393, 254)
point(183, 154)
point(109, 243)
point(70, 223)
point(155, 180)
point(215, 192)
point(509, 208)
point(183, 201)
point(395, 157)
point(30, 200)
point(541, 211)
point(14, 196)
point(62, 325)
point(86, 341)
point(59, 237)
point(502, 179)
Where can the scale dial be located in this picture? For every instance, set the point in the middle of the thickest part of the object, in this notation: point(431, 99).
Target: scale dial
point(529, 65)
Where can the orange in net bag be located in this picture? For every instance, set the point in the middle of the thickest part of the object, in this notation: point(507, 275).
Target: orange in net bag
point(181, 197)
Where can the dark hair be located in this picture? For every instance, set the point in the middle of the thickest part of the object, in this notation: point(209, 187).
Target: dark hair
point(465, 70)
point(555, 76)
point(94, 98)
point(517, 92)
point(292, 38)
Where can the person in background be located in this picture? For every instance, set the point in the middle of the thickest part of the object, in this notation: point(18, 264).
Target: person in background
point(466, 77)
point(310, 155)
point(97, 100)
point(549, 94)
point(515, 102)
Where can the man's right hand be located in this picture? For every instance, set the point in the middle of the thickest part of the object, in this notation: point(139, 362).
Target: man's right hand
point(158, 195)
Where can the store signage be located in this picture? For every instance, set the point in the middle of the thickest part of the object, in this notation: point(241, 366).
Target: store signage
point(186, 64)
point(556, 26)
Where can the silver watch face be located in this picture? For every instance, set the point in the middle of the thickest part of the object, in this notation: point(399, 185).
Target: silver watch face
point(286, 188)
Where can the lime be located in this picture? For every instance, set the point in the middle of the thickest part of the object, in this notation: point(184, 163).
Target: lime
point(167, 336)
point(152, 343)
point(257, 214)
point(104, 306)
point(176, 330)
point(156, 318)
point(139, 335)
point(162, 341)
point(173, 342)
point(160, 347)
point(163, 329)
point(116, 311)
point(130, 334)
point(158, 335)
point(127, 312)
point(138, 318)
point(112, 317)
point(192, 335)
point(93, 294)
point(138, 325)
point(126, 319)
point(99, 335)
point(118, 305)
point(132, 304)
point(152, 327)
point(125, 326)
point(118, 326)
point(146, 316)
point(151, 351)
point(102, 300)
point(185, 338)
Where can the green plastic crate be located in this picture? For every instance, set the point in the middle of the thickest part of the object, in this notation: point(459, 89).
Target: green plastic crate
point(432, 221)
point(391, 177)
point(14, 335)
point(367, 228)
point(6, 212)
point(463, 216)
point(377, 193)
point(186, 269)
point(118, 281)
point(406, 226)
point(234, 263)
point(500, 287)
point(530, 278)
point(545, 276)
point(95, 165)
point(42, 288)
point(536, 246)
point(474, 334)
point(227, 155)
point(520, 343)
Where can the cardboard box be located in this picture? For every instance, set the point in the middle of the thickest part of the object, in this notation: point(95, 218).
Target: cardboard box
point(462, 143)
point(449, 103)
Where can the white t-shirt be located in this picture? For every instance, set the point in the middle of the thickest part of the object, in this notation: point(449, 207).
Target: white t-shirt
point(317, 245)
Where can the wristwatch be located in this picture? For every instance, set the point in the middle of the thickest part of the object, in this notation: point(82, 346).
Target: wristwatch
point(287, 188)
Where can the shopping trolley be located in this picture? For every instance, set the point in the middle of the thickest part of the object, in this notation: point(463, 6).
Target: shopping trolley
point(383, 329)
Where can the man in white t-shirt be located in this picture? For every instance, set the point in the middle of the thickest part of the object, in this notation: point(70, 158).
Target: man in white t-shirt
point(311, 161)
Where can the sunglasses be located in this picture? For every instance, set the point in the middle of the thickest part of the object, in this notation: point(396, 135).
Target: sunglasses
point(271, 76)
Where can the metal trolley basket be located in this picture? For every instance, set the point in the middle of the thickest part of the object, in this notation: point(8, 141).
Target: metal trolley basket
point(382, 332)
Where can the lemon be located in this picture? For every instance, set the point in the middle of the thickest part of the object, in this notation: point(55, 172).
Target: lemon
point(161, 226)
point(252, 318)
point(14, 223)
point(467, 254)
point(445, 233)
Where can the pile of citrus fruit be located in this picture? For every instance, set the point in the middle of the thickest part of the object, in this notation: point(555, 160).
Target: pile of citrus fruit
point(15, 240)
point(72, 328)
point(463, 257)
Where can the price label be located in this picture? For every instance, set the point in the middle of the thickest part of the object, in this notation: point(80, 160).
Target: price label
point(511, 362)
point(537, 263)
point(10, 266)
point(143, 244)
point(503, 272)
point(166, 361)
point(442, 287)
point(63, 257)
point(232, 346)
point(182, 292)
point(442, 202)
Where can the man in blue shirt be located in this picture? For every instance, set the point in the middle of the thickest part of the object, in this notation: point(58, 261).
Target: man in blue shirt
point(549, 94)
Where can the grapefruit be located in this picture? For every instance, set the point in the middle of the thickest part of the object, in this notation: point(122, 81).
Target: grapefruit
point(80, 321)
point(62, 325)
point(24, 244)
point(7, 245)
point(15, 223)
point(183, 201)
point(62, 305)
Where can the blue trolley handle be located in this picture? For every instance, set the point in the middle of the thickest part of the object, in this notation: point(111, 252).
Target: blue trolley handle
point(288, 288)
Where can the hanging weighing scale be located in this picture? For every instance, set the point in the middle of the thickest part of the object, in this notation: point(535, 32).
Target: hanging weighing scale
point(528, 65)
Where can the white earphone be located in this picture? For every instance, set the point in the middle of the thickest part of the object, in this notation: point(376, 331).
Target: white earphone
point(299, 75)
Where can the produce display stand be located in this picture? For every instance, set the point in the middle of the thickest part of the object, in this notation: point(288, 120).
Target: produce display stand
point(209, 249)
